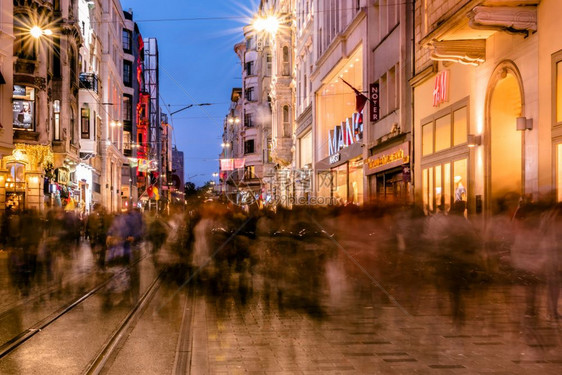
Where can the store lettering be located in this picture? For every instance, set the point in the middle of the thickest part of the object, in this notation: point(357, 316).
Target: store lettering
point(387, 159)
point(346, 134)
point(334, 158)
point(440, 90)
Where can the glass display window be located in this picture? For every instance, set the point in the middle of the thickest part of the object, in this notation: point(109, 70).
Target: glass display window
point(445, 187)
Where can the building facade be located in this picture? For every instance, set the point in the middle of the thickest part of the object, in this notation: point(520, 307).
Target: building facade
point(305, 59)
point(340, 30)
point(6, 90)
point(485, 119)
point(388, 115)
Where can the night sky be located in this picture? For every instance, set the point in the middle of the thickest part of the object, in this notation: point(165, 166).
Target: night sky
point(197, 65)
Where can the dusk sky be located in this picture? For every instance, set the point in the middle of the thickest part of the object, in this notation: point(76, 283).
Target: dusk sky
point(197, 65)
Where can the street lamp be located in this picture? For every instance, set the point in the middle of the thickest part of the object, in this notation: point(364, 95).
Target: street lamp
point(270, 24)
point(37, 32)
point(233, 120)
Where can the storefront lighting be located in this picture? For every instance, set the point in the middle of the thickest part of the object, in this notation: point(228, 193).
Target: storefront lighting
point(474, 140)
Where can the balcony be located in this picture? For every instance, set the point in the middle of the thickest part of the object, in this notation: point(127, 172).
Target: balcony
point(89, 81)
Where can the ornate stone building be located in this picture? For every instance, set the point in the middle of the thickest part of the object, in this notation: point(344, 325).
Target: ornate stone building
point(40, 170)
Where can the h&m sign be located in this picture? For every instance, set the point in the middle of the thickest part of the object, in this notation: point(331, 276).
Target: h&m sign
point(349, 132)
point(441, 88)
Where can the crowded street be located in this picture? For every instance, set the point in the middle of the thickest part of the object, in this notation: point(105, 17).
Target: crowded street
point(280, 187)
point(219, 290)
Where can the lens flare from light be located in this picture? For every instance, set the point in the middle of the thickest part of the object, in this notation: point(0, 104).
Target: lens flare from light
point(36, 32)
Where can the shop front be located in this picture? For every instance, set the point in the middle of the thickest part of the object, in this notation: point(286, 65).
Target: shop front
point(388, 174)
point(21, 177)
point(340, 177)
point(338, 134)
point(84, 177)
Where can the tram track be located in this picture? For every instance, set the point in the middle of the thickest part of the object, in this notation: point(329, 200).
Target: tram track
point(19, 339)
point(109, 350)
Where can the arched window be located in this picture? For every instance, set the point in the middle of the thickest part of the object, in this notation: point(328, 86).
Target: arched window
point(286, 65)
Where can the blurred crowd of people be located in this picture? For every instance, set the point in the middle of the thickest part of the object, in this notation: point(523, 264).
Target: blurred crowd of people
point(306, 256)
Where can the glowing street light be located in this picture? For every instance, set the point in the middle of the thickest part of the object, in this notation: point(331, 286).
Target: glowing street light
point(270, 24)
point(37, 32)
point(233, 120)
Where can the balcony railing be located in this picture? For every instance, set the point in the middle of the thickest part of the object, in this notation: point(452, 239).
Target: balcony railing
point(89, 81)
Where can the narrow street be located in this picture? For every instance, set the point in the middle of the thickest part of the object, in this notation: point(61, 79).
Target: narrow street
point(294, 301)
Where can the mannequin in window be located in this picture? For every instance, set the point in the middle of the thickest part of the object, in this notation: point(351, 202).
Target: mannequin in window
point(460, 196)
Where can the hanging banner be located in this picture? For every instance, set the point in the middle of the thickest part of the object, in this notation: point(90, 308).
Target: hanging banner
point(232, 164)
point(227, 164)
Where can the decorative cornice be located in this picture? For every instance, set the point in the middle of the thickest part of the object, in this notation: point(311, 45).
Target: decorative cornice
point(509, 19)
point(468, 52)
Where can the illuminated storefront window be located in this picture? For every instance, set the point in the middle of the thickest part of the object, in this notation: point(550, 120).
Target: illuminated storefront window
point(445, 162)
point(355, 187)
point(441, 193)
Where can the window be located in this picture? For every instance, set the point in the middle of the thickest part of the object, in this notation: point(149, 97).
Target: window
point(443, 133)
point(268, 63)
point(24, 46)
point(444, 186)
point(127, 73)
point(56, 120)
point(72, 127)
point(249, 94)
point(427, 139)
point(248, 120)
point(127, 140)
point(15, 172)
point(249, 43)
point(127, 108)
point(447, 129)
point(127, 38)
point(249, 172)
point(286, 121)
point(250, 68)
point(249, 146)
point(286, 63)
point(85, 123)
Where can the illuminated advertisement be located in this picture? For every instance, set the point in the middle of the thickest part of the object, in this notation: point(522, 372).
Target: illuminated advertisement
point(23, 107)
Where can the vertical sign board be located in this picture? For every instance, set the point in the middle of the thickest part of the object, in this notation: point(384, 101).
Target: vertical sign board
point(375, 100)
